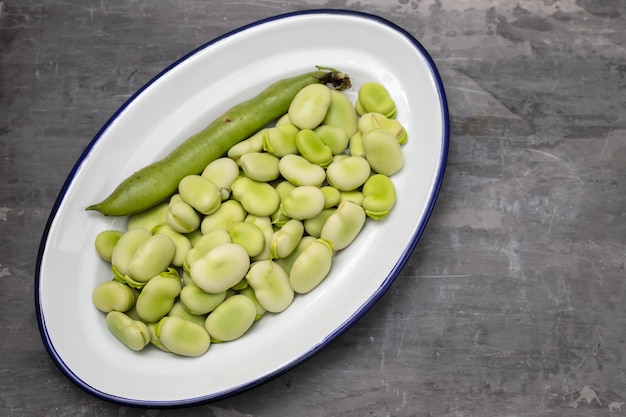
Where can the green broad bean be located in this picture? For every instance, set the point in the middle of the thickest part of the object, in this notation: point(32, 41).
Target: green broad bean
point(248, 236)
point(379, 196)
point(298, 171)
point(370, 121)
point(154, 339)
point(113, 296)
point(198, 302)
point(231, 319)
point(265, 224)
point(311, 266)
point(180, 216)
point(374, 97)
point(200, 193)
point(284, 119)
point(313, 226)
point(303, 202)
point(179, 310)
point(334, 137)
point(341, 113)
point(309, 106)
point(206, 243)
point(222, 172)
point(258, 198)
point(260, 311)
point(252, 144)
point(271, 285)
point(312, 148)
point(287, 262)
point(126, 247)
point(260, 166)
point(354, 196)
point(105, 242)
point(158, 296)
point(149, 218)
point(383, 151)
point(343, 226)
point(230, 211)
point(183, 337)
point(194, 236)
point(355, 147)
point(181, 242)
point(285, 239)
point(280, 140)
point(151, 258)
point(332, 196)
point(348, 173)
point(220, 268)
point(132, 333)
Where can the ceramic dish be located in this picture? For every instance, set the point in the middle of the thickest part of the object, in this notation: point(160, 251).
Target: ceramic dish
point(177, 103)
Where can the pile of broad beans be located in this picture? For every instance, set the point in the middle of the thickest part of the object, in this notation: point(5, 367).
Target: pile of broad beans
point(257, 227)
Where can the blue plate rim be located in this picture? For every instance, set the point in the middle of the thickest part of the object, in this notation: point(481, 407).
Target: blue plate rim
point(333, 335)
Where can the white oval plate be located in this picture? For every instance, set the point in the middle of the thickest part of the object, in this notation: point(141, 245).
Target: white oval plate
point(180, 101)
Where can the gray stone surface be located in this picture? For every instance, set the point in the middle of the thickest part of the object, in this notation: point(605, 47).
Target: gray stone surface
point(512, 303)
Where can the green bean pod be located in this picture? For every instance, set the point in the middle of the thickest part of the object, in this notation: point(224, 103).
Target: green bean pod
point(156, 182)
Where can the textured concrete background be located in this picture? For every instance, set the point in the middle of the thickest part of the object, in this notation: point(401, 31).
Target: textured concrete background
point(513, 301)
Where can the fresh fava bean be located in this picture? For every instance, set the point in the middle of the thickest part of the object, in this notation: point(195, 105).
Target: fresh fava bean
point(304, 202)
point(181, 216)
point(181, 242)
point(154, 339)
point(106, 241)
point(151, 258)
point(348, 173)
point(312, 148)
point(260, 166)
point(370, 121)
point(252, 144)
point(271, 285)
point(285, 240)
point(298, 171)
point(231, 319)
point(200, 193)
point(197, 301)
point(379, 196)
point(355, 146)
point(113, 296)
point(220, 268)
point(313, 226)
point(332, 196)
point(248, 236)
point(334, 137)
point(343, 226)
point(183, 337)
point(206, 243)
point(383, 151)
point(156, 182)
point(148, 219)
point(310, 105)
point(158, 296)
point(229, 211)
point(126, 247)
point(374, 97)
point(311, 266)
point(265, 224)
point(258, 198)
point(287, 262)
point(222, 172)
point(133, 333)
point(260, 311)
point(179, 310)
point(341, 113)
point(355, 196)
point(280, 140)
